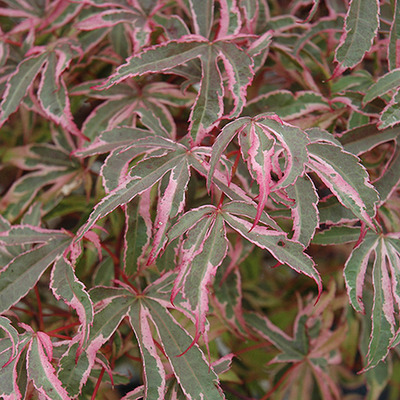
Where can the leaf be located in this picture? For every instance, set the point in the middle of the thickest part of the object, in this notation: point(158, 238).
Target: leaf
point(40, 370)
point(284, 250)
point(337, 235)
point(355, 269)
point(18, 85)
point(170, 205)
point(143, 176)
point(393, 47)
point(154, 372)
point(138, 228)
point(208, 106)
point(73, 370)
point(196, 378)
point(304, 211)
point(382, 312)
point(387, 183)
point(21, 274)
point(391, 113)
point(386, 82)
point(12, 333)
point(64, 284)
point(266, 329)
point(202, 270)
point(364, 138)
point(345, 177)
point(54, 99)
point(361, 25)
point(202, 16)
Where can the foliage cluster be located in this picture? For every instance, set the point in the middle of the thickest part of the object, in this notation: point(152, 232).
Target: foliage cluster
point(199, 195)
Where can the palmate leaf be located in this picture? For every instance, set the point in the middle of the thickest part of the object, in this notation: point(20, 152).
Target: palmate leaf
point(144, 175)
point(194, 375)
point(361, 25)
point(386, 282)
point(208, 107)
point(262, 140)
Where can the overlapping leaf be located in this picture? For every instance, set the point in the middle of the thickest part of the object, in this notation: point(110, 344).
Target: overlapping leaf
point(208, 107)
point(385, 279)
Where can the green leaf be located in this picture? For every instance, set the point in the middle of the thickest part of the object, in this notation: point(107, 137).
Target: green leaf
point(355, 269)
point(346, 178)
point(389, 81)
point(361, 25)
point(284, 250)
point(196, 378)
point(154, 373)
point(21, 274)
point(18, 85)
point(304, 211)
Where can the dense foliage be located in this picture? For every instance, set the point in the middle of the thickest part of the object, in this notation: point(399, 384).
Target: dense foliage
point(199, 198)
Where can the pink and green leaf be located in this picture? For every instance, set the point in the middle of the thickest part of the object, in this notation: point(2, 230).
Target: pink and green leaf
point(19, 83)
point(154, 372)
point(355, 269)
point(143, 176)
point(304, 211)
point(170, 205)
point(361, 26)
point(385, 83)
point(196, 378)
point(41, 371)
point(65, 285)
point(138, 228)
point(20, 275)
point(284, 250)
point(393, 47)
point(346, 178)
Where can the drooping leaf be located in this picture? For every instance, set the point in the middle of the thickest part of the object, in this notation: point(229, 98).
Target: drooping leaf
point(154, 372)
point(284, 250)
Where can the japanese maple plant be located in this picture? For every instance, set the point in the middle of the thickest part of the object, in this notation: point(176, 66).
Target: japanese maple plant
point(199, 199)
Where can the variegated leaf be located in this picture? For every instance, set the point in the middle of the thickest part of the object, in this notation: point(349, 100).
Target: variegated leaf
point(66, 285)
point(19, 84)
point(154, 372)
point(394, 38)
point(170, 205)
point(284, 250)
point(40, 370)
point(138, 228)
point(361, 25)
point(304, 210)
point(345, 177)
point(143, 176)
point(389, 81)
point(196, 378)
point(21, 274)
point(208, 107)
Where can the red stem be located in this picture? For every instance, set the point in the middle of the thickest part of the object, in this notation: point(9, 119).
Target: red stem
point(40, 310)
point(98, 384)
